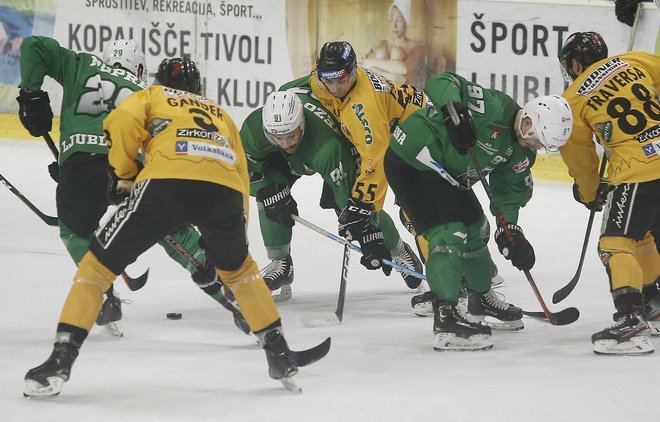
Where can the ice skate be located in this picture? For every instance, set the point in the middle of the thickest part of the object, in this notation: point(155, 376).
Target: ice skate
point(493, 311)
point(110, 315)
point(408, 259)
point(422, 304)
point(281, 361)
point(628, 336)
point(278, 276)
point(454, 332)
point(46, 380)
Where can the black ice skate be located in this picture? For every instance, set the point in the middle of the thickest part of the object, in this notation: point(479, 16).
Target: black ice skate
point(628, 336)
point(278, 275)
point(454, 332)
point(46, 379)
point(409, 260)
point(111, 314)
point(281, 362)
point(490, 309)
point(422, 304)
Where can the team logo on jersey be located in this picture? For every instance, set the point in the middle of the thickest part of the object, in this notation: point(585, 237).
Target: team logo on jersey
point(495, 133)
point(157, 125)
point(181, 147)
point(358, 109)
point(652, 149)
point(605, 130)
point(369, 170)
point(521, 166)
point(647, 135)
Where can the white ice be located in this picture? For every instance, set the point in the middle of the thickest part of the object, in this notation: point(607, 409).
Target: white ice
point(381, 366)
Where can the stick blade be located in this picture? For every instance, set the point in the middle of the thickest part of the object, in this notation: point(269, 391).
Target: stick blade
point(563, 293)
point(320, 319)
point(135, 283)
point(565, 317)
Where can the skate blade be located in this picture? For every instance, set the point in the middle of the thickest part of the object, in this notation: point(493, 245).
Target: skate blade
point(495, 323)
point(290, 384)
point(285, 293)
point(449, 341)
point(34, 389)
point(113, 329)
point(636, 346)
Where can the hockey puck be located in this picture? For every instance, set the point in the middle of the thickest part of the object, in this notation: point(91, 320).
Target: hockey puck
point(174, 315)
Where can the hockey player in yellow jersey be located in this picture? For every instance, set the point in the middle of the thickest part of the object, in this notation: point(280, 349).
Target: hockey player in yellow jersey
point(616, 100)
point(368, 108)
point(195, 173)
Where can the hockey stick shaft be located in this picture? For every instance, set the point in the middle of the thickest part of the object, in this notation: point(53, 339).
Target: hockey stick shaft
point(563, 293)
point(51, 145)
point(343, 241)
point(342, 284)
point(633, 31)
point(51, 221)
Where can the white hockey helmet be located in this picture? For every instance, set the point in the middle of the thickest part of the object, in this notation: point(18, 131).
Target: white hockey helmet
point(552, 121)
point(282, 114)
point(127, 54)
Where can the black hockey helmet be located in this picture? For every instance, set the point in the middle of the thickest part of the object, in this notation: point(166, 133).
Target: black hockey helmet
point(336, 60)
point(585, 47)
point(179, 73)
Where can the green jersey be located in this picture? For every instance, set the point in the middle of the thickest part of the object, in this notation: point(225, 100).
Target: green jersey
point(322, 150)
point(423, 143)
point(91, 90)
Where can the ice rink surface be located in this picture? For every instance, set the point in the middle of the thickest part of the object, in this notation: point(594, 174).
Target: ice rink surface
point(381, 366)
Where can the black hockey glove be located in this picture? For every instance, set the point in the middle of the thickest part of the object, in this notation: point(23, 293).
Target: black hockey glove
point(54, 171)
point(517, 250)
point(625, 11)
point(373, 249)
point(354, 218)
point(34, 111)
point(118, 190)
point(601, 196)
point(206, 276)
point(462, 133)
point(278, 203)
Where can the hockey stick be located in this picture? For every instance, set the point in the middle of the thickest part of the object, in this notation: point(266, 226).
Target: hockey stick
point(343, 241)
point(51, 221)
point(564, 317)
point(133, 284)
point(563, 293)
point(239, 320)
point(326, 319)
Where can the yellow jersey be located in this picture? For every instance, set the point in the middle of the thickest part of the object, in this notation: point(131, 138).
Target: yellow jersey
point(367, 116)
point(615, 99)
point(181, 135)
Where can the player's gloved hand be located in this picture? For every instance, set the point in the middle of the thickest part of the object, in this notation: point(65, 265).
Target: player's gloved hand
point(601, 196)
point(34, 111)
point(625, 11)
point(205, 276)
point(462, 133)
point(118, 190)
point(354, 218)
point(54, 171)
point(278, 203)
point(373, 249)
point(517, 249)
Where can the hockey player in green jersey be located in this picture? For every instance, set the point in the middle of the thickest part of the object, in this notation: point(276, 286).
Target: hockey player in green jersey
point(92, 87)
point(428, 169)
point(293, 136)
